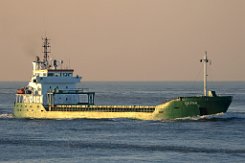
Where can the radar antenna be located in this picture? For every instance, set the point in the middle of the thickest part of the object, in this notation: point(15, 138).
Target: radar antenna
point(46, 50)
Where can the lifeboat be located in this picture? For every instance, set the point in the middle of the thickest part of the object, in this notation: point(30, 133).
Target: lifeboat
point(20, 91)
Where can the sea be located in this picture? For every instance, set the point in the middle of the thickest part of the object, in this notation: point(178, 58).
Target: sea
point(213, 138)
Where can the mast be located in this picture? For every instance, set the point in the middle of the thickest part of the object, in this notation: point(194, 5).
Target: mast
point(46, 50)
point(205, 61)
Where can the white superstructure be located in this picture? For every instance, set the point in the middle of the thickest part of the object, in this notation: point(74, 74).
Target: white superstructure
point(51, 84)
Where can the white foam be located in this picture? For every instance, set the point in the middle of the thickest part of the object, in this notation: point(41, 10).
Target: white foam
point(196, 118)
point(2, 116)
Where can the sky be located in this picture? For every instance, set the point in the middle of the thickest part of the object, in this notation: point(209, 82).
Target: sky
point(126, 40)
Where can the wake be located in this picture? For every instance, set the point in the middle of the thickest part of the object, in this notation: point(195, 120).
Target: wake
point(215, 117)
point(6, 116)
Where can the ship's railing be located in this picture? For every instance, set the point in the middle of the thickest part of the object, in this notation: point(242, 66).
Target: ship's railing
point(70, 91)
point(103, 108)
point(107, 106)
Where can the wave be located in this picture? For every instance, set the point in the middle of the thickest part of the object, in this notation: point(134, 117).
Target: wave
point(207, 118)
point(215, 117)
point(118, 146)
point(6, 116)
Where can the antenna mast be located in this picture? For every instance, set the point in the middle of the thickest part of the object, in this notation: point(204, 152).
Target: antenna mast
point(205, 61)
point(46, 50)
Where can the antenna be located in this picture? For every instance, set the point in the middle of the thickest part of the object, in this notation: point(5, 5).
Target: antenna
point(46, 50)
point(205, 61)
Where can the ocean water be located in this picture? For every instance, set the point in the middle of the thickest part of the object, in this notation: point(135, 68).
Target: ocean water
point(216, 138)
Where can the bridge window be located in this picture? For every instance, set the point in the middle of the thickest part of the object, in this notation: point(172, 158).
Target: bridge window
point(50, 74)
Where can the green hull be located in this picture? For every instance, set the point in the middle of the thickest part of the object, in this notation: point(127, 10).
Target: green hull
point(177, 108)
point(193, 106)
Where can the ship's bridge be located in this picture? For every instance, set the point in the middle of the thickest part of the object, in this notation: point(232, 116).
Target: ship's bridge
point(55, 76)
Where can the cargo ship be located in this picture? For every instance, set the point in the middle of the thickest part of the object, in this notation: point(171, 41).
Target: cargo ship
point(53, 93)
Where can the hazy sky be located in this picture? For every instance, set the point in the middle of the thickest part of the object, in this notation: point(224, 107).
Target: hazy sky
point(130, 40)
